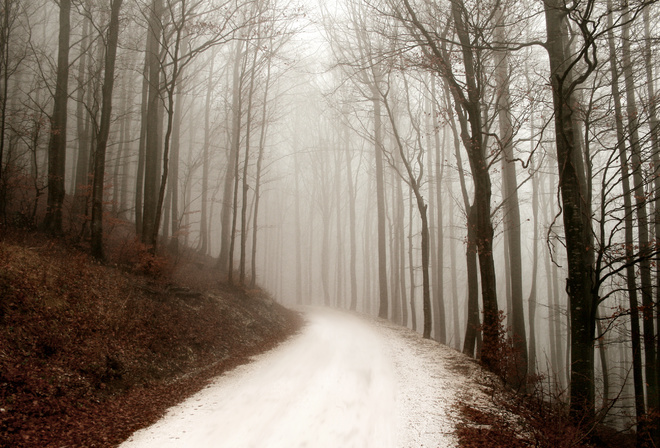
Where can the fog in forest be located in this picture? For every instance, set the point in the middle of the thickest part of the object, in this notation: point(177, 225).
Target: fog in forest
point(483, 172)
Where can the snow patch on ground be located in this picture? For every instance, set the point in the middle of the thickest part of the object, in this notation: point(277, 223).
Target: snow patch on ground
point(432, 379)
point(344, 381)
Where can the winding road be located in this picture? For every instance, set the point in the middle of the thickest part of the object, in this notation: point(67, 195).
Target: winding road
point(344, 381)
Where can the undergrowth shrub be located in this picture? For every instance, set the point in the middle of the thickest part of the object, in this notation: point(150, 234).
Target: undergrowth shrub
point(505, 358)
point(137, 257)
point(533, 414)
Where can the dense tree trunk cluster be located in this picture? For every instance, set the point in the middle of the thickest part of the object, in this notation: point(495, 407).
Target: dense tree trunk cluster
point(347, 155)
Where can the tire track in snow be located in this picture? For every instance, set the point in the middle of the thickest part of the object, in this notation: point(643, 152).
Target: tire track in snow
point(344, 381)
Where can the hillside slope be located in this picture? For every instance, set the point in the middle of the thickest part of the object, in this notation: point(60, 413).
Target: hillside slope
point(90, 353)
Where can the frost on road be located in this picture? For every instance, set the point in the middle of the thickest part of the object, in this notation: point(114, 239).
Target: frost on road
point(342, 382)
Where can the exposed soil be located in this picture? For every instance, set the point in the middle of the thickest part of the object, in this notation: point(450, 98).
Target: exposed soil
point(91, 352)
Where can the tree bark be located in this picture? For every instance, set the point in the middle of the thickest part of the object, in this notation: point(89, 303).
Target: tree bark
point(257, 192)
point(577, 222)
point(352, 225)
point(246, 166)
point(174, 175)
point(383, 310)
point(439, 265)
point(82, 125)
point(104, 130)
point(631, 282)
point(204, 215)
point(227, 192)
point(58, 124)
point(139, 175)
point(153, 140)
point(642, 221)
point(512, 225)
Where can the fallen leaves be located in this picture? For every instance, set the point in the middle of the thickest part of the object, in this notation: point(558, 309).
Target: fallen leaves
point(90, 353)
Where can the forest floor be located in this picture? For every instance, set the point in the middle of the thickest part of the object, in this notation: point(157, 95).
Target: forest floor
point(89, 353)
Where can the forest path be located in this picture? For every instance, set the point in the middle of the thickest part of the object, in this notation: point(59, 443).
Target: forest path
point(344, 381)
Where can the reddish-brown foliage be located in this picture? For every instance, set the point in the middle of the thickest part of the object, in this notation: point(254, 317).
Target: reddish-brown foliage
point(90, 353)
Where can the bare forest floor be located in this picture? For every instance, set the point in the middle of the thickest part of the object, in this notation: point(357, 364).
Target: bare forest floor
point(89, 353)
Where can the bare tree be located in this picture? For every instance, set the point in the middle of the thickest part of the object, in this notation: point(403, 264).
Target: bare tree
point(104, 129)
point(58, 124)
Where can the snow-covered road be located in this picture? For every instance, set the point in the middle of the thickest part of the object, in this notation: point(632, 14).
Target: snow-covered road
point(343, 382)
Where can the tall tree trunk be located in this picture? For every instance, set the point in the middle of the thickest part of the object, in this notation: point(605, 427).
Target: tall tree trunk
point(531, 300)
point(257, 190)
point(246, 166)
point(296, 176)
point(472, 321)
point(174, 166)
point(383, 310)
point(577, 222)
point(58, 123)
point(467, 103)
point(414, 184)
point(104, 130)
point(635, 332)
point(352, 225)
point(655, 145)
point(82, 125)
point(126, 167)
point(227, 192)
point(204, 218)
point(454, 278)
point(170, 89)
point(512, 225)
point(339, 290)
point(642, 222)
point(142, 145)
point(367, 251)
point(5, 59)
point(152, 142)
point(480, 210)
point(439, 267)
point(121, 158)
point(411, 263)
point(395, 256)
point(325, 255)
point(400, 216)
point(234, 206)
